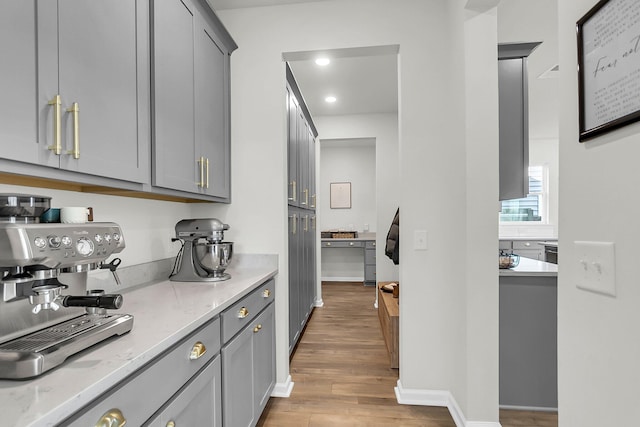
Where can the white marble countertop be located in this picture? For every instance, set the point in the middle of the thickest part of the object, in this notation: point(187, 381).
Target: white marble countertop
point(531, 267)
point(164, 313)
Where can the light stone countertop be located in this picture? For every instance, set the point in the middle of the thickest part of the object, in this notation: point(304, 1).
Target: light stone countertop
point(164, 313)
point(530, 267)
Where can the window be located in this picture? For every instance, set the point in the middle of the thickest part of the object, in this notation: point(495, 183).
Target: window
point(533, 207)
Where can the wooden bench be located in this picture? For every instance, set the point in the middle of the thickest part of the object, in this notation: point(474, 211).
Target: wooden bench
point(388, 313)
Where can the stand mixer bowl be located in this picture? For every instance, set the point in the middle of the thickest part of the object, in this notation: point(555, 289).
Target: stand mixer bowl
point(213, 258)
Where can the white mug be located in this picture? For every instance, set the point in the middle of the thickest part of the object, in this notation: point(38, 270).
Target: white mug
point(76, 215)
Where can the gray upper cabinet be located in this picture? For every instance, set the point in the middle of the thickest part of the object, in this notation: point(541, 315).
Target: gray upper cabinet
point(301, 149)
point(18, 111)
point(76, 100)
point(190, 110)
point(514, 119)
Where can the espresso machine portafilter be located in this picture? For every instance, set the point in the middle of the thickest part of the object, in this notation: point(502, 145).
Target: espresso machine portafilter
point(46, 312)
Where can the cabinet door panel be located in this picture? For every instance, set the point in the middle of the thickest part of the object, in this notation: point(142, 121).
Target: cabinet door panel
point(198, 404)
point(264, 362)
point(238, 386)
point(98, 70)
point(295, 261)
point(173, 82)
point(514, 155)
point(211, 120)
point(18, 110)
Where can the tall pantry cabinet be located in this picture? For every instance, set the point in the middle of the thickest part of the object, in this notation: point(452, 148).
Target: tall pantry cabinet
point(301, 194)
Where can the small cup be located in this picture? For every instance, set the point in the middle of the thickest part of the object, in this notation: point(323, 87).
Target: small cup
point(50, 215)
point(76, 215)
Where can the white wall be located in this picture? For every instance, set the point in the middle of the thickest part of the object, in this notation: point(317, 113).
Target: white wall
point(147, 225)
point(432, 168)
point(384, 129)
point(353, 162)
point(598, 345)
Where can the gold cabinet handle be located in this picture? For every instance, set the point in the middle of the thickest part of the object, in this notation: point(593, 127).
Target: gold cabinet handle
point(57, 142)
point(207, 173)
point(306, 196)
point(243, 312)
point(313, 222)
point(257, 328)
point(292, 198)
point(266, 293)
point(112, 418)
point(294, 224)
point(328, 243)
point(350, 243)
point(306, 223)
point(197, 351)
point(75, 110)
point(171, 424)
point(200, 163)
point(313, 203)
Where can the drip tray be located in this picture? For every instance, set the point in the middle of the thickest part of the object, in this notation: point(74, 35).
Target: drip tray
point(33, 354)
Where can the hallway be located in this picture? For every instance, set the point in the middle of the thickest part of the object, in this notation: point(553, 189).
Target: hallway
point(342, 376)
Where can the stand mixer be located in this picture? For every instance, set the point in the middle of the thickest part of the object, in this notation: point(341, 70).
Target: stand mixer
point(203, 256)
point(46, 313)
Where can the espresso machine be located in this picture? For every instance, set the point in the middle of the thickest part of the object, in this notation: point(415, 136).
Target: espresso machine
point(46, 312)
point(203, 256)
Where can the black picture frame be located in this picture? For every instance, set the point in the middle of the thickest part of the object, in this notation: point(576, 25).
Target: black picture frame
point(608, 67)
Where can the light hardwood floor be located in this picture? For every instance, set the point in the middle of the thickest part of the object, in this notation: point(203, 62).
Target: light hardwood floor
point(342, 375)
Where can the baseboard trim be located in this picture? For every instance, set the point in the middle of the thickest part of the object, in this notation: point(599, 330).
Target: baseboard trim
point(318, 303)
point(442, 398)
point(283, 389)
point(343, 279)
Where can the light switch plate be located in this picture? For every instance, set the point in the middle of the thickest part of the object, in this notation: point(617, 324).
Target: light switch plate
point(595, 267)
point(420, 240)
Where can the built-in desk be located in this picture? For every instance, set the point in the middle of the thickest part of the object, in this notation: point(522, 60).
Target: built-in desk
point(366, 242)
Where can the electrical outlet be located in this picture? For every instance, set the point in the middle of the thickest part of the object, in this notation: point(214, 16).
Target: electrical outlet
point(595, 267)
point(420, 240)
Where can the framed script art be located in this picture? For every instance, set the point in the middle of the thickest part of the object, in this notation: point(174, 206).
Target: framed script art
point(609, 67)
point(340, 195)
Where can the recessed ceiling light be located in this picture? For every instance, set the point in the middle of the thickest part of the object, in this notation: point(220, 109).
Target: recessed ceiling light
point(330, 99)
point(322, 61)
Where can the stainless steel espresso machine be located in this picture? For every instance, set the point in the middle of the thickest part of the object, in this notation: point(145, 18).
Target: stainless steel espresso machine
point(46, 312)
point(203, 256)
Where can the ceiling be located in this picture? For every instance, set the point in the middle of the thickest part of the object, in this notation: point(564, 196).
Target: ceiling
point(366, 81)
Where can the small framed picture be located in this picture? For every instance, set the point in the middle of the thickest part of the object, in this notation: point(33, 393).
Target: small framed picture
point(340, 195)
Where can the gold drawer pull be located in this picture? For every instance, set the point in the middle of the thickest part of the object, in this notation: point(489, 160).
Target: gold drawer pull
point(171, 424)
point(75, 110)
point(266, 293)
point(257, 328)
point(243, 312)
point(57, 141)
point(197, 351)
point(112, 418)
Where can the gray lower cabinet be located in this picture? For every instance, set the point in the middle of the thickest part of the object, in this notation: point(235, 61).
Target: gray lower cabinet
point(164, 384)
point(190, 111)
point(248, 370)
point(528, 342)
point(302, 271)
point(198, 403)
point(370, 263)
point(75, 100)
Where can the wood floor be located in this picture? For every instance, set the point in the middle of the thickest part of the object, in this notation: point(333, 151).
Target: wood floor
point(342, 376)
